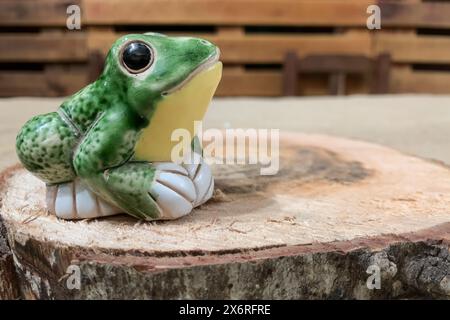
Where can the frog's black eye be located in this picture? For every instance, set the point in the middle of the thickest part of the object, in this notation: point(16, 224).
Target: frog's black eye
point(137, 57)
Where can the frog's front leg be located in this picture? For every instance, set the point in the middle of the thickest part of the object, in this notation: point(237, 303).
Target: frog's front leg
point(138, 188)
point(171, 187)
point(101, 161)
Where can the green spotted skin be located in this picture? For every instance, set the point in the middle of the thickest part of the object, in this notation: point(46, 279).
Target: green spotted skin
point(45, 146)
point(133, 182)
point(85, 106)
point(94, 132)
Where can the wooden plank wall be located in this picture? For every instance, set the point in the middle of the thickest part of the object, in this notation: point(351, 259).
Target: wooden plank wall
point(40, 57)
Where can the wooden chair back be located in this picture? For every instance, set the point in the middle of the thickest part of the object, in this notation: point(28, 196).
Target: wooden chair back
point(337, 67)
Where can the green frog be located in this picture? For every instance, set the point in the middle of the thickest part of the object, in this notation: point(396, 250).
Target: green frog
point(107, 149)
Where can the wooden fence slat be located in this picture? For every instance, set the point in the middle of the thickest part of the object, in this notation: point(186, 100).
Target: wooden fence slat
point(45, 47)
point(406, 80)
point(269, 12)
point(412, 48)
point(269, 83)
point(34, 12)
point(267, 48)
point(230, 12)
point(58, 81)
point(414, 14)
point(272, 49)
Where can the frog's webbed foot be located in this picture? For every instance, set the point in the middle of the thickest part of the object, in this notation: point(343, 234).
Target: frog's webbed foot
point(178, 189)
point(73, 200)
point(173, 190)
point(201, 175)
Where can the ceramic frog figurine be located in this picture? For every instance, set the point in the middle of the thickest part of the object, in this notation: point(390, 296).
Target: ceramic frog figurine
point(107, 148)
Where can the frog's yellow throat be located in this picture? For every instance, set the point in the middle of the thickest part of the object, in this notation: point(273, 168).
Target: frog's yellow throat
point(178, 110)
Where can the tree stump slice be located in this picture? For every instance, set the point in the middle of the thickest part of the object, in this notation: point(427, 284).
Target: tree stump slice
point(9, 288)
point(335, 208)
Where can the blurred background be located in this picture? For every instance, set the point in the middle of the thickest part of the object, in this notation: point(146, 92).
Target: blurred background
point(269, 47)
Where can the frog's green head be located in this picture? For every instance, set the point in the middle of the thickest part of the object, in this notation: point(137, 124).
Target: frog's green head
point(150, 67)
point(168, 80)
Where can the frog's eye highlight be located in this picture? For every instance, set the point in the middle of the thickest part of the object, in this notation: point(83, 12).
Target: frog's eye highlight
point(137, 57)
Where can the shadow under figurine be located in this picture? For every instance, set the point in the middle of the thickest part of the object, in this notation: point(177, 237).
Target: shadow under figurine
point(107, 149)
